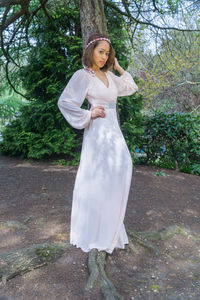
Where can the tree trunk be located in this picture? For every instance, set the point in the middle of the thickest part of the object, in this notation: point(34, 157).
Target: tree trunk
point(92, 18)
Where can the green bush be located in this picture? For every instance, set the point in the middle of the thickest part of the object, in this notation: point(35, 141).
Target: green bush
point(172, 140)
point(131, 120)
point(40, 131)
point(9, 107)
point(39, 136)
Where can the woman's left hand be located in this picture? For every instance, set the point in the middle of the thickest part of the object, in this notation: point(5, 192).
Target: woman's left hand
point(116, 64)
point(118, 67)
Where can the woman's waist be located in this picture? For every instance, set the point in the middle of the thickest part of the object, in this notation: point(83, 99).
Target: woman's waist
point(107, 105)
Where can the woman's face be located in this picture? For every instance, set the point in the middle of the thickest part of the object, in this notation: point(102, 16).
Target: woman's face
point(100, 55)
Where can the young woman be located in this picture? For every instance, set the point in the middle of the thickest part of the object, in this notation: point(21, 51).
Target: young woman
point(103, 178)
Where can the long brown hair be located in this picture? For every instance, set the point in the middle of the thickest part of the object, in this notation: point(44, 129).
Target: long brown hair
point(87, 58)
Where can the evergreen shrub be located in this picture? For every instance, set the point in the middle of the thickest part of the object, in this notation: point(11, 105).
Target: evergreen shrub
point(172, 140)
point(131, 120)
point(40, 135)
point(40, 131)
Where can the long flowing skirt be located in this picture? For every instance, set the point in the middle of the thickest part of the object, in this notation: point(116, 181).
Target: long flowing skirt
point(101, 187)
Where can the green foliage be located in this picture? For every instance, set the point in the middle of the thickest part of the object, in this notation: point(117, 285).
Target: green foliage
point(40, 131)
point(46, 253)
point(41, 135)
point(10, 102)
point(170, 78)
point(155, 287)
point(173, 5)
point(131, 119)
point(191, 168)
point(172, 140)
point(159, 173)
point(66, 162)
point(9, 107)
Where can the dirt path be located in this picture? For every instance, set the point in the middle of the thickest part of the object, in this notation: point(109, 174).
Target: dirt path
point(38, 194)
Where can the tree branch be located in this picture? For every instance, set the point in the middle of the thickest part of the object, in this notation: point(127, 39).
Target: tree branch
point(10, 83)
point(24, 10)
point(136, 20)
point(4, 3)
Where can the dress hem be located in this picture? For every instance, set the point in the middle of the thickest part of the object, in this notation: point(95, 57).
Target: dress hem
point(99, 249)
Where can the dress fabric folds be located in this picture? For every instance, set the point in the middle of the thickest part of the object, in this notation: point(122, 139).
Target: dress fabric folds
point(103, 179)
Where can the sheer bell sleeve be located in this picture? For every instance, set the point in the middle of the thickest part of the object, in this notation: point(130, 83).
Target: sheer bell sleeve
point(72, 98)
point(126, 86)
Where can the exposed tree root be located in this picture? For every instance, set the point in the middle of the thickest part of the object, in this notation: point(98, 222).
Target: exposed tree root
point(165, 233)
point(162, 234)
point(140, 238)
point(20, 261)
point(17, 262)
point(96, 262)
point(93, 269)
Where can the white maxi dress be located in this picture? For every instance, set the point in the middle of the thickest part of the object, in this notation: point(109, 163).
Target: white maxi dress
point(104, 174)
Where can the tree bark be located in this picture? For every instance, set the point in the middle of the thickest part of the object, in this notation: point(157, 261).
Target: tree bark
point(17, 262)
point(92, 18)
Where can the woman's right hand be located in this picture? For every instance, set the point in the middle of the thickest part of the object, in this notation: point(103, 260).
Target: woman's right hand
point(97, 112)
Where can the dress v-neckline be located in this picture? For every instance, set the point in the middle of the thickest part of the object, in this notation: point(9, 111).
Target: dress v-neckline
point(103, 82)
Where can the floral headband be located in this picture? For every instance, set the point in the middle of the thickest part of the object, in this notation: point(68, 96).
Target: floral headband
point(97, 39)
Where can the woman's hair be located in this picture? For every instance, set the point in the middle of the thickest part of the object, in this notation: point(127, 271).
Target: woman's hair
point(87, 58)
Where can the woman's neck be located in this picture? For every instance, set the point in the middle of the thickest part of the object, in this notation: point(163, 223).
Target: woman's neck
point(96, 69)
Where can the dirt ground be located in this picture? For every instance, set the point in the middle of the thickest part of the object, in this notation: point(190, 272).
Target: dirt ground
point(39, 195)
